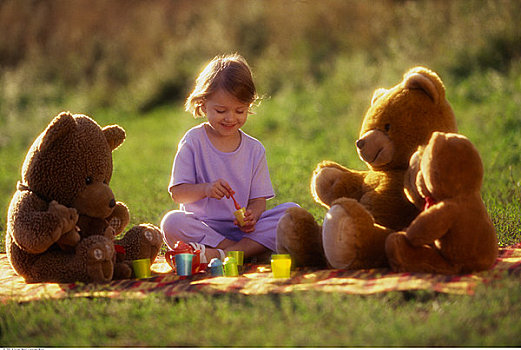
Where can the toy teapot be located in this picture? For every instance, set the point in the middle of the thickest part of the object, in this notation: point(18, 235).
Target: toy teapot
point(181, 247)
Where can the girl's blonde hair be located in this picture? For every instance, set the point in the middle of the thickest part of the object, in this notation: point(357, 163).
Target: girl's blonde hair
point(231, 73)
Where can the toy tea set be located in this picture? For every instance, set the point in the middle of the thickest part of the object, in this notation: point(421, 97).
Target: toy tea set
point(186, 261)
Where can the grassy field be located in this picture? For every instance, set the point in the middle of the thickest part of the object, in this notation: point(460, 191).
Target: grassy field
point(316, 64)
point(489, 318)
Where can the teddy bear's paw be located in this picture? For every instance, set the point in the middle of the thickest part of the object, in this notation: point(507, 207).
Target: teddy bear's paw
point(69, 240)
point(331, 181)
point(395, 245)
point(326, 185)
point(68, 218)
point(122, 271)
point(351, 238)
point(298, 234)
point(120, 218)
point(404, 257)
point(99, 253)
point(339, 235)
point(115, 223)
point(152, 235)
point(142, 241)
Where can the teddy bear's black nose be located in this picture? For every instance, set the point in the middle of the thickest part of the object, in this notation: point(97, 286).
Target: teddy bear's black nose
point(360, 143)
point(112, 203)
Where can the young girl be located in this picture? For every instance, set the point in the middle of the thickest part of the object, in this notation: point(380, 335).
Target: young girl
point(216, 160)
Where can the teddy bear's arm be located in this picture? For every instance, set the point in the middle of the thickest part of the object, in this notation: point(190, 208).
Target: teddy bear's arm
point(119, 218)
point(331, 181)
point(414, 179)
point(36, 225)
point(432, 223)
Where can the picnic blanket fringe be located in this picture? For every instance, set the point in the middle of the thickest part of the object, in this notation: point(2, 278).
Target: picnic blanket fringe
point(257, 279)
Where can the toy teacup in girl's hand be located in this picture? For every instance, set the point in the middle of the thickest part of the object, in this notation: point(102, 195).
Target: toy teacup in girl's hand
point(240, 212)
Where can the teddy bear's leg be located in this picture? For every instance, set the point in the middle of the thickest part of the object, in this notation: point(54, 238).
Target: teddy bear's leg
point(404, 257)
point(331, 181)
point(140, 242)
point(351, 238)
point(98, 252)
point(92, 262)
point(298, 234)
point(50, 266)
point(119, 218)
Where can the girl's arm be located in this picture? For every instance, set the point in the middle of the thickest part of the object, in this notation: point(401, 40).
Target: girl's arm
point(189, 193)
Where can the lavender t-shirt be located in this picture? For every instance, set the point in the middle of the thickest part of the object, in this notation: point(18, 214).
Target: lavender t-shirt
point(245, 170)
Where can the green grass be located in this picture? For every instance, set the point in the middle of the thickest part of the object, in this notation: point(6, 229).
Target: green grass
point(298, 128)
point(304, 319)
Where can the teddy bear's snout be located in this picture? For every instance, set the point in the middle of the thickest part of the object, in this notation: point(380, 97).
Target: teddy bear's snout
point(375, 148)
point(96, 201)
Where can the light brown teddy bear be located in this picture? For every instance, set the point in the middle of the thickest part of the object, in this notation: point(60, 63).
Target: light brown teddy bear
point(365, 206)
point(63, 218)
point(454, 234)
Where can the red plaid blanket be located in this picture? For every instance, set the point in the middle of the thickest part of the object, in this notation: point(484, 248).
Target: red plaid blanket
point(257, 279)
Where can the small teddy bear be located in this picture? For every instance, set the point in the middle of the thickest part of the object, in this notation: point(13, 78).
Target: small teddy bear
point(366, 205)
point(454, 234)
point(63, 218)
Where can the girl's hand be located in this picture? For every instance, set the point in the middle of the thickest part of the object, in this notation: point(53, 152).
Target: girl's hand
point(218, 189)
point(249, 222)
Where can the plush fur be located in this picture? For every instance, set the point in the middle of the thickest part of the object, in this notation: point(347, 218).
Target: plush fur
point(365, 206)
point(454, 234)
point(63, 218)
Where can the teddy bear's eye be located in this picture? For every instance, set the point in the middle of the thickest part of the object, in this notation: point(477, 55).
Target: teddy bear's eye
point(387, 127)
point(88, 180)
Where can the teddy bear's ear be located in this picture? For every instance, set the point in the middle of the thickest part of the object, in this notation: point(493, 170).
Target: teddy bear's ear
point(62, 125)
point(377, 94)
point(426, 80)
point(115, 135)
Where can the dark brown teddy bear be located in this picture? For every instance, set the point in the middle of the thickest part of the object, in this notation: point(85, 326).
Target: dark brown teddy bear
point(63, 218)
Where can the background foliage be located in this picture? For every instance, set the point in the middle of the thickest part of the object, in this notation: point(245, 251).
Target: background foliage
point(136, 55)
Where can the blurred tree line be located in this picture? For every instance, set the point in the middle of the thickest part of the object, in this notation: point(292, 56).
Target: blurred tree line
point(135, 55)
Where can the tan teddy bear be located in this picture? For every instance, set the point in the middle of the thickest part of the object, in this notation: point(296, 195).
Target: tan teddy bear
point(365, 206)
point(63, 218)
point(454, 234)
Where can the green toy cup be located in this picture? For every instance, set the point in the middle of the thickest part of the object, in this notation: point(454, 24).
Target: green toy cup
point(281, 265)
point(238, 255)
point(230, 267)
point(142, 268)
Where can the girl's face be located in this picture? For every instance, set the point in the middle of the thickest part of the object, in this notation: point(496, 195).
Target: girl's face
point(225, 113)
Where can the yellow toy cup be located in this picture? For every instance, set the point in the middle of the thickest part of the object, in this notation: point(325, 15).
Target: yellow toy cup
point(281, 265)
point(142, 268)
point(239, 215)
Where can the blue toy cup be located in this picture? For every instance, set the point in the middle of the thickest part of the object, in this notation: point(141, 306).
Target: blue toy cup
point(216, 267)
point(183, 264)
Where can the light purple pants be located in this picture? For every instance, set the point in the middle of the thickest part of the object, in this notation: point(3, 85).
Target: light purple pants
point(178, 225)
